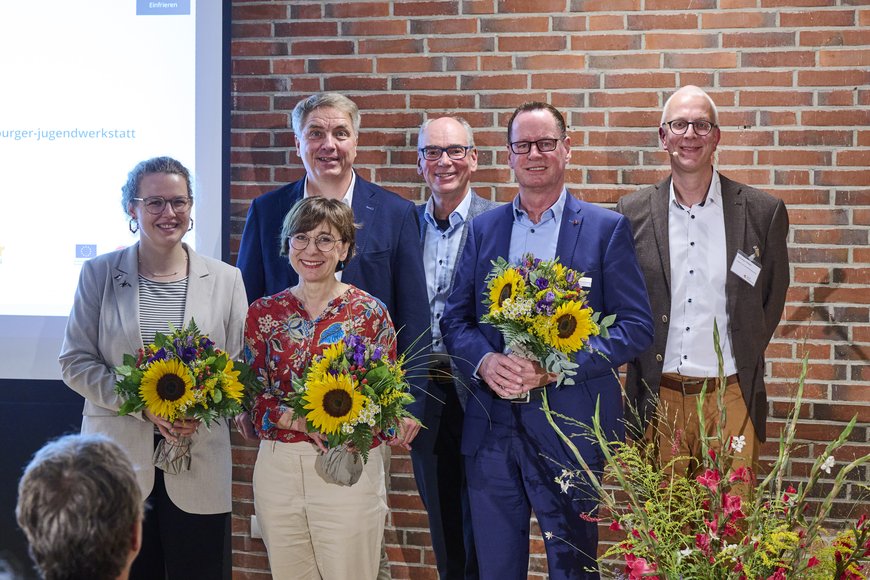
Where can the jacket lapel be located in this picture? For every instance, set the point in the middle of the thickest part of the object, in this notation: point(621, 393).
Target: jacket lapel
point(200, 287)
point(734, 211)
point(125, 283)
point(659, 213)
point(569, 231)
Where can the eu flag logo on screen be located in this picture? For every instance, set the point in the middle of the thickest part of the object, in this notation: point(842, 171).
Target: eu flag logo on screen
point(85, 251)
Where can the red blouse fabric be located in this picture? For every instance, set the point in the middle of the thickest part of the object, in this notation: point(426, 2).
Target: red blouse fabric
point(281, 340)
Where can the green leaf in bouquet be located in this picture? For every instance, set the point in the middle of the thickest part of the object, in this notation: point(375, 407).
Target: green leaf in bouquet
point(124, 370)
point(131, 406)
point(377, 375)
point(217, 396)
point(130, 360)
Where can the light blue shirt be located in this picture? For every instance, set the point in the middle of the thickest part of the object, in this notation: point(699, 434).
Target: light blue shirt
point(539, 238)
point(440, 255)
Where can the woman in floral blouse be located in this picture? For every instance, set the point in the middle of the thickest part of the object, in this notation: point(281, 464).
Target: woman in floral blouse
point(313, 529)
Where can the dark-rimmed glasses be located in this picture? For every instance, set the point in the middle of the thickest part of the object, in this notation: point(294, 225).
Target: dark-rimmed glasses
point(156, 204)
point(434, 153)
point(680, 126)
point(323, 242)
point(543, 145)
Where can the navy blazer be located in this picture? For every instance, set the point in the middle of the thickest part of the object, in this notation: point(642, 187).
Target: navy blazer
point(387, 263)
point(592, 240)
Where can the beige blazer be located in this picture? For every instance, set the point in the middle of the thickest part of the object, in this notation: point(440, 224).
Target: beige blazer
point(104, 325)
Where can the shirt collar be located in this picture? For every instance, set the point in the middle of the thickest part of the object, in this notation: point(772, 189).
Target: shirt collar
point(714, 193)
point(553, 211)
point(348, 195)
point(457, 216)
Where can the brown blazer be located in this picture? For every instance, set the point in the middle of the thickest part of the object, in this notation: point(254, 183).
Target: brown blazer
point(752, 218)
point(104, 325)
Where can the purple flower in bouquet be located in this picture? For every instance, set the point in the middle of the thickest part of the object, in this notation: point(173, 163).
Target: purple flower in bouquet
point(205, 343)
point(159, 355)
point(185, 348)
point(355, 343)
point(545, 304)
point(542, 283)
point(377, 354)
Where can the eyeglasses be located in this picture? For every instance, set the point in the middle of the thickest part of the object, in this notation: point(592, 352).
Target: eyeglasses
point(156, 204)
point(680, 126)
point(323, 242)
point(434, 153)
point(543, 145)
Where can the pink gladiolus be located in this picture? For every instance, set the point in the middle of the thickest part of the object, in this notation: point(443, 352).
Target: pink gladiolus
point(637, 567)
point(710, 479)
point(731, 504)
point(614, 525)
point(813, 562)
point(740, 474)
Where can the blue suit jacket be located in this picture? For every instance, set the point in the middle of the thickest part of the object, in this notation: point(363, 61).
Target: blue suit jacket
point(592, 240)
point(388, 260)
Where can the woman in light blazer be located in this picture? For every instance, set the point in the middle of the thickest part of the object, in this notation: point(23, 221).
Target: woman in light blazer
point(123, 299)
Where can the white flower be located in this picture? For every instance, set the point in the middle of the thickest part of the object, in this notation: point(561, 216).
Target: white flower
point(548, 535)
point(564, 480)
point(828, 464)
point(738, 443)
point(685, 552)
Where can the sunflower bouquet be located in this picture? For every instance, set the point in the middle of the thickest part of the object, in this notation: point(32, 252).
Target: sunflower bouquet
point(540, 308)
point(350, 393)
point(182, 375)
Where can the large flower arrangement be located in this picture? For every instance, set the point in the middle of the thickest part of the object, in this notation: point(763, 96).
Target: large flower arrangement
point(722, 523)
point(540, 308)
point(183, 376)
point(352, 393)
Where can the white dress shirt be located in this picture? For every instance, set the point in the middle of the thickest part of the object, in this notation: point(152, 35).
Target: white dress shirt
point(699, 268)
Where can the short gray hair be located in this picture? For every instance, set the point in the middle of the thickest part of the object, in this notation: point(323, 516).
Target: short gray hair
point(697, 91)
point(78, 504)
point(318, 100)
point(469, 133)
point(166, 165)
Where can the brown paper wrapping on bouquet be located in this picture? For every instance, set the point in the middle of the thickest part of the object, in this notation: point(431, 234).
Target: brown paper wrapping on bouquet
point(172, 458)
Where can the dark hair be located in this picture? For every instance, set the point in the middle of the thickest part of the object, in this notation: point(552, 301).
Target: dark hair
point(539, 106)
point(315, 210)
point(78, 504)
point(154, 165)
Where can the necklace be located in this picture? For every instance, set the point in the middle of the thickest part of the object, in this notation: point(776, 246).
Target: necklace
point(153, 275)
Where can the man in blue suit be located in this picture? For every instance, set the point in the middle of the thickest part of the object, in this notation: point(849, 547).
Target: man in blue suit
point(512, 455)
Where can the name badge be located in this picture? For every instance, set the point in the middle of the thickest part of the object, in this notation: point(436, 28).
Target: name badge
point(746, 268)
point(585, 282)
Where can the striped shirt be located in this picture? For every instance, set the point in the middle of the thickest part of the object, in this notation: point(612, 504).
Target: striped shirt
point(160, 303)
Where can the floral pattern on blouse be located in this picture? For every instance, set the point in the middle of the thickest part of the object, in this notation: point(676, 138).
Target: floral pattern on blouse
point(281, 340)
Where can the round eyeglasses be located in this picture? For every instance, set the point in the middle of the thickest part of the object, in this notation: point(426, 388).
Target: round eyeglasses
point(680, 126)
point(156, 204)
point(323, 242)
point(434, 153)
point(543, 145)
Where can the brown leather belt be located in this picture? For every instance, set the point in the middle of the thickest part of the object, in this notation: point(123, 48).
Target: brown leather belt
point(693, 385)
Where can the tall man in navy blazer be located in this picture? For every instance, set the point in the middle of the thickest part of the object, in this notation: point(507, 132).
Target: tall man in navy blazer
point(690, 231)
point(388, 261)
point(512, 455)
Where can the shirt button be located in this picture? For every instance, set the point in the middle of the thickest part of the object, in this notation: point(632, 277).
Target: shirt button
point(685, 356)
point(438, 289)
point(440, 262)
point(691, 271)
point(687, 329)
point(691, 243)
point(690, 300)
point(664, 317)
point(533, 230)
point(659, 358)
point(693, 217)
point(438, 315)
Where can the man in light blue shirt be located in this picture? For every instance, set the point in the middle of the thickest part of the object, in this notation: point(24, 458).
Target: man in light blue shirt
point(446, 159)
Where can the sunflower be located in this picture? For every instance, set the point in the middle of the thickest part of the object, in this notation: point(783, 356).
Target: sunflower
point(166, 387)
point(508, 285)
point(332, 401)
point(571, 326)
point(232, 387)
point(325, 360)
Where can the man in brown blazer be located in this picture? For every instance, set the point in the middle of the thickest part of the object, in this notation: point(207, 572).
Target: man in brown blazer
point(712, 251)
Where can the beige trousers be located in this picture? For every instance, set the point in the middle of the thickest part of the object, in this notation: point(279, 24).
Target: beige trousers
point(679, 433)
point(314, 530)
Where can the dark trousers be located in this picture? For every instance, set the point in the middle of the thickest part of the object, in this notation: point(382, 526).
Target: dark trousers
point(439, 470)
point(513, 472)
point(177, 545)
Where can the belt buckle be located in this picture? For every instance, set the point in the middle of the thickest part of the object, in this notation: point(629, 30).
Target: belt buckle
point(526, 398)
point(684, 384)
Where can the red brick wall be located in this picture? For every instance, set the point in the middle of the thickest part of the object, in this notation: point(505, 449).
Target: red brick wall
point(792, 82)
